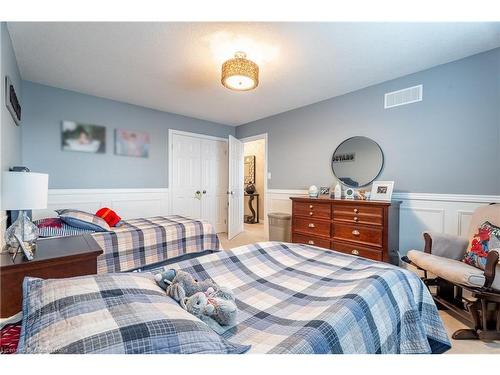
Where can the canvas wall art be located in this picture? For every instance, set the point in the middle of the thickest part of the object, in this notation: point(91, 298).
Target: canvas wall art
point(132, 143)
point(83, 137)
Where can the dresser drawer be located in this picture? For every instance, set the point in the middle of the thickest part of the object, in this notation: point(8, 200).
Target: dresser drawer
point(358, 214)
point(310, 240)
point(371, 236)
point(357, 250)
point(311, 226)
point(319, 210)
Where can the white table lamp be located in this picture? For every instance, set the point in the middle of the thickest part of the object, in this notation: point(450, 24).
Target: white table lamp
point(23, 191)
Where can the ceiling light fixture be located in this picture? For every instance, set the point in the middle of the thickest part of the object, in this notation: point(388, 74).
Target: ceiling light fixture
point(240, 73)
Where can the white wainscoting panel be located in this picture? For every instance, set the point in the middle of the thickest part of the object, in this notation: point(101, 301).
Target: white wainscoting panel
point(445, 213)
point(128, 203)
point(3, 227)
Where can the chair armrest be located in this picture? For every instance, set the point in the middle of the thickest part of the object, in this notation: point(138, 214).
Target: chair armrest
point(490, 268)
point(445, 245)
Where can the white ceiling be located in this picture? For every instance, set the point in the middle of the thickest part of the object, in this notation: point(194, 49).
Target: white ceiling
point(175, 67)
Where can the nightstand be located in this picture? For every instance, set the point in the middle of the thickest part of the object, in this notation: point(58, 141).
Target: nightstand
point(55, 258)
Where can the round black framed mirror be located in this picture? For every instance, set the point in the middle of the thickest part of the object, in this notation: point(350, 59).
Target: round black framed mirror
point(357, 161)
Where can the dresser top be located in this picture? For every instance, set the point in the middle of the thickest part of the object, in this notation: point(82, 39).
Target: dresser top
point(346, 201)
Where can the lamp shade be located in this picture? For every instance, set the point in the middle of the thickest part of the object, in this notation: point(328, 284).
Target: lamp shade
point(24, 190)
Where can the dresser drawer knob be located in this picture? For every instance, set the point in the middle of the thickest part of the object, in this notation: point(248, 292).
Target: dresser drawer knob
point(310, 242)
point(356, 218)
point(355, 252)
point(310, 206)
point(356, 210)
point(311, 225)
point(310, 213)
point(355, 232)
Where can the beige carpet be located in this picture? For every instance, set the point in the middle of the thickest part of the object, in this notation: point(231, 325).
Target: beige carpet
point(257, 233)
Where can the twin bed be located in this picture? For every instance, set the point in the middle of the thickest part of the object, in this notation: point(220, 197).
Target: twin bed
point(291, 298)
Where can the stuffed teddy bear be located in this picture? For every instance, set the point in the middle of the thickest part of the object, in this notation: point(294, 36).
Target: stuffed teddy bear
point(212, 304)
point(180, 284)
point(217, 309)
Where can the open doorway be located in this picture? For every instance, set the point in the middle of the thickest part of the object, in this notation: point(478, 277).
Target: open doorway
point(255, 183)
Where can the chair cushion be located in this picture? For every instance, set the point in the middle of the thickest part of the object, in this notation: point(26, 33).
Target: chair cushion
point(486, 238)
point(448, 269)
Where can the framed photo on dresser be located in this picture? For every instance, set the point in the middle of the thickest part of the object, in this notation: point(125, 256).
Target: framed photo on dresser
point(382, 190)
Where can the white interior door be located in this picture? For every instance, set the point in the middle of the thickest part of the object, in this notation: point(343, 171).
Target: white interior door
point(235, 189)
point(214, 182)
point(186, 176)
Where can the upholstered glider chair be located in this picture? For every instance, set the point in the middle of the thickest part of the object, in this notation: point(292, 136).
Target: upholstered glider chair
point(471, 294)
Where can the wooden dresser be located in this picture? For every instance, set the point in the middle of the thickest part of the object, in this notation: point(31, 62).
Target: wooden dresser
point(366, 228)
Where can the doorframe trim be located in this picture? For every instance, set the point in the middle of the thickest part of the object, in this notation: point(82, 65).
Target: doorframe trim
point(171, 133)
point(265, 137)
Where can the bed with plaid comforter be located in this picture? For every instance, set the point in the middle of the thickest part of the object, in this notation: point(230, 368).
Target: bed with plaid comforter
point(145, 241)
point(301, 299)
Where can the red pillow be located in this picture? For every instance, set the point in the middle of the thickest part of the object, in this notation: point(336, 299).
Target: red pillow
point(109, 216)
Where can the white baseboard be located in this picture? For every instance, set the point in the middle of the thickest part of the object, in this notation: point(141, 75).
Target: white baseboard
point(447, 213)
point(128, 203)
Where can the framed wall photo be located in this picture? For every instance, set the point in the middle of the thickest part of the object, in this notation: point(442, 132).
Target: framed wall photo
point(12, 102)
point(132, 143)
point(382, 190)
point(80, 137)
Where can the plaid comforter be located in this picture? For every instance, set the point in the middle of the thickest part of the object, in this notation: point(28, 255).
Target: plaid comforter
point(141, 242)
point(116, 313)
point(301, 299)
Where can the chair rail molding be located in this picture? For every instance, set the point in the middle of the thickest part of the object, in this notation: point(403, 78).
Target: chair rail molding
point(446, 213)
point(128, 203)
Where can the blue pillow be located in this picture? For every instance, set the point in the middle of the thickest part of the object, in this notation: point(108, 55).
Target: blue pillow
point(83, 220)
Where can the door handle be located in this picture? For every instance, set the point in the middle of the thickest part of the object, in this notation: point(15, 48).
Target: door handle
point(310, 242)
point(355, 232)
point(311, 225)
point(355, 252)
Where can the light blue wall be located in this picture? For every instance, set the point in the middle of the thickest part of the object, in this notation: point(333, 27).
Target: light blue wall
point(448, 143)
point(45, 108)
point(10, 133)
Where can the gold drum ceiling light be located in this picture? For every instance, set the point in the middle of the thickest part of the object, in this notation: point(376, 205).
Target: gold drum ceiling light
point(240, 73)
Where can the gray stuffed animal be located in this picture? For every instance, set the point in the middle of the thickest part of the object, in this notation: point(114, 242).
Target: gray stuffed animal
point(180, 284)
point(217, 309)
point(214, 305)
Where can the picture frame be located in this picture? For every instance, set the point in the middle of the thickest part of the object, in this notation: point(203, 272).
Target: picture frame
point(324, 190)
point(12, 101)
point(132, 143)
point(382, 190)
point(80, 137)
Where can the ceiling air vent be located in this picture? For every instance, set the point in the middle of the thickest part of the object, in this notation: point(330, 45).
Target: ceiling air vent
point(404, 96)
